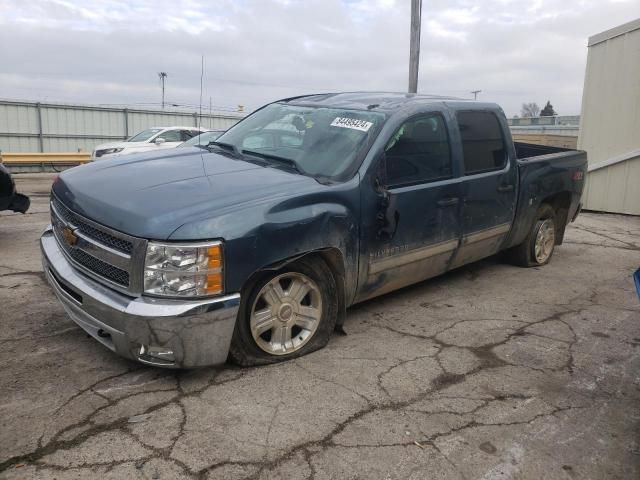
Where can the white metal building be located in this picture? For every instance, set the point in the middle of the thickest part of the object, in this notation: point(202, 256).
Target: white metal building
point(610, 120)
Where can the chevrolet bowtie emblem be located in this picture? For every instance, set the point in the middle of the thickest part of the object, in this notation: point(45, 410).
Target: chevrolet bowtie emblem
point(69, 237)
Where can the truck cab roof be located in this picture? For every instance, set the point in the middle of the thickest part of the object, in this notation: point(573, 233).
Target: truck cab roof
point(385, 102)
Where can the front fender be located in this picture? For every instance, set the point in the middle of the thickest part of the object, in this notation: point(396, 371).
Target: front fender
point(265, 235)
point(290, 233)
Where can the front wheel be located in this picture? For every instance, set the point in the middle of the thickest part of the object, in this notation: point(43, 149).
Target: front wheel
point(537, 248)
point(286, 314)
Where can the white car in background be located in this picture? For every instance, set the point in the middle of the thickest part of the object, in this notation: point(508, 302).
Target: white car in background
point(147, 140)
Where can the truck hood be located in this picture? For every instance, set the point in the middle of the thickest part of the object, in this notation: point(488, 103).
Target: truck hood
point(150, 195)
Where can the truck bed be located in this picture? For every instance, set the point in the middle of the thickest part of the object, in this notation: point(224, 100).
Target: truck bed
point(528, 150)
point(551, 175)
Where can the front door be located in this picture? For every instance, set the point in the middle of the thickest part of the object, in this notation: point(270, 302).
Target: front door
point(417, 230)
point(488, 187)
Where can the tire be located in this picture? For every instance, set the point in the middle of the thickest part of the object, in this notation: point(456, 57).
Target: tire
point(277, 324)
point(526, 254)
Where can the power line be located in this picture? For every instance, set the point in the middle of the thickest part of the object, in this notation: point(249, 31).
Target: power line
point(475, 93)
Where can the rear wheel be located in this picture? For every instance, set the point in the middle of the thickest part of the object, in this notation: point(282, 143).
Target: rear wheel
point(537, 248)
point(545, 241)
point(286, 314)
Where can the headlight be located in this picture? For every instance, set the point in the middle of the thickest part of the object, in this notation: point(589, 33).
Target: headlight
point(183, 270)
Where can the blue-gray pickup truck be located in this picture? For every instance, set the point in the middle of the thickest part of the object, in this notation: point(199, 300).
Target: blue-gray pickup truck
point(253, 246)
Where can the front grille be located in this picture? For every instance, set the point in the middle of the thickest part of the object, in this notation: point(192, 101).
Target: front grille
point(90, 262)
point(103, 269)
point(103, 237)
point(97, 250)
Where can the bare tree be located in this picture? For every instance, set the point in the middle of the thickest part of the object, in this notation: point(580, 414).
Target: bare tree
point(530, 110)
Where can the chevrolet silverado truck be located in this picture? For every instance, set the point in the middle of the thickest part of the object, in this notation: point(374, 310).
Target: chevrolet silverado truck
point(253, 247)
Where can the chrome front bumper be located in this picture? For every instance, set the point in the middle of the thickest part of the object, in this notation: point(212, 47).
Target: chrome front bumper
point(161, 332)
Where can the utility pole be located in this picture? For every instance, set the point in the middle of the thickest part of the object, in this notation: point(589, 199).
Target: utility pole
point(162, 76)
point(201, 77)
point(475, 94)
point(414, 52)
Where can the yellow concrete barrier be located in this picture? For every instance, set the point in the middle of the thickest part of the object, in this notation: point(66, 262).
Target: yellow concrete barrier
point(20, 159)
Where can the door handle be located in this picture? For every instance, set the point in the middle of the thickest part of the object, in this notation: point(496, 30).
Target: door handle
point(448, 202)
point(505, 188)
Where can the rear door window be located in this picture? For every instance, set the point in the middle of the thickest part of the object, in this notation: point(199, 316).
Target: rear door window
point(482, 142)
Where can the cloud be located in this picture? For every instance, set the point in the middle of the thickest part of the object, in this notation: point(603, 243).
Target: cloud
point(256, 51)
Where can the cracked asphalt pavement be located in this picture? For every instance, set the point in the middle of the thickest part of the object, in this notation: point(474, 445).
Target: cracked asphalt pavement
point(489, 372)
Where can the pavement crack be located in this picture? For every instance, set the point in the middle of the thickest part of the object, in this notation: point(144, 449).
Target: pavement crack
point(333, 382)
point(40, 337)
point(271, 423)
point(602, 245)
point(18, 273)
point(55, 443)
point(629, 245)
point(92, 386)
point(473, 423)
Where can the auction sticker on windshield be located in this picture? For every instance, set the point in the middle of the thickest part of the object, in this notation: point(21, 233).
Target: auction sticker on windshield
point(352, 123)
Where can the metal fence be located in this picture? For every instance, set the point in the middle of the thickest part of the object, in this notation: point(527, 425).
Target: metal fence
point(48, 127)
point(563, 130)
point(553, 120)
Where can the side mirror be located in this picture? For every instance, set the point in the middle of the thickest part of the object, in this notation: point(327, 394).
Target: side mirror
point(159, 141)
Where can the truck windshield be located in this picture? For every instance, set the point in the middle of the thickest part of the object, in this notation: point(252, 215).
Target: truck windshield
point(316, 141)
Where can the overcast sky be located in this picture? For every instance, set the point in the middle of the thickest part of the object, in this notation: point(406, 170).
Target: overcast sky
point(256, 51)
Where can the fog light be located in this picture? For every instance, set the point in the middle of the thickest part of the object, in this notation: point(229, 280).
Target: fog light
point(152, 354)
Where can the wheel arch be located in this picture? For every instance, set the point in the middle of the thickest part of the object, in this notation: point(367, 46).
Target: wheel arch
point(332, 257)
point(560, 202)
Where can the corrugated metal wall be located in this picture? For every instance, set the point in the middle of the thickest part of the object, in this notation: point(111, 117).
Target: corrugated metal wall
point(34, 127)
point(615, 188)
point(610, 120)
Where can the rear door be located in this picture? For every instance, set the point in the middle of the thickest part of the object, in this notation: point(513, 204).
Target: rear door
point(488, 186)
point(423, 212)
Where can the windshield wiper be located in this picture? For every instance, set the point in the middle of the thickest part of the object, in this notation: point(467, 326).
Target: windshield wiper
point(285, 161)
point(226, 146)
